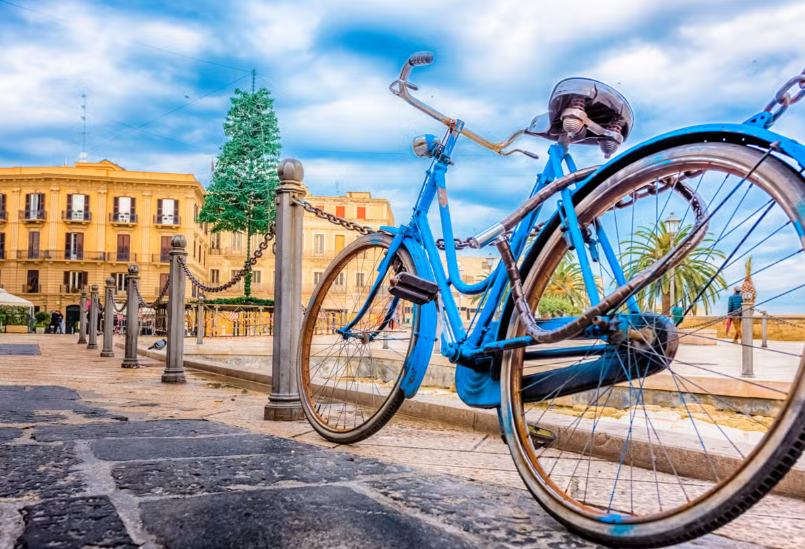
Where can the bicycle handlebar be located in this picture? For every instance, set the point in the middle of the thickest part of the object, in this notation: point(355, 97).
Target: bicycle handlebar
point(401, 87)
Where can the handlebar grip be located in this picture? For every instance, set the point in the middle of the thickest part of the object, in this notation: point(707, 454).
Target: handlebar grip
point(420, 58)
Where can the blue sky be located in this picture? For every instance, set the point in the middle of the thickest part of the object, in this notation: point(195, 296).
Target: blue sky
point(158, 76)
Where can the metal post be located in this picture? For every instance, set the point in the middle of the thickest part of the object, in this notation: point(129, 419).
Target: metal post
point(174, 359)
point(132, 322)
point(82, 317)
point(215, 323)
point(283, 403)
point(200, 321)
point(260, 327)
point(763, 322)
point(93, 317)
point(109, 318)
point(747, 366)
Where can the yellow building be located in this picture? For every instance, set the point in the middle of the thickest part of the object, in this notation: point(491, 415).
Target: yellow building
point(62, 228)
point(322, 241)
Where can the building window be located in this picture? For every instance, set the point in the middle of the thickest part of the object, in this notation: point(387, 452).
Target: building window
point(215, 276)
point(34, 206)
point(164, 249)
point(124, 247)
point(340, 211)
point(124, 209)
point(163, 279)
point(318, 243)
point(75, 280)
point(359, 281)
point(258, 277)
point(215, 241)
point(168, 211)
point(361, 212)
point(195, 213)
point(340, 242)
point(339, 280)
point(74, 246)
point(237, 242)
point(78, 207)
point(32, 285)
point(3, 212)
point(2, 245)
point(317, 277)
point(120, 282)
point(232, 274)
point(33, 245)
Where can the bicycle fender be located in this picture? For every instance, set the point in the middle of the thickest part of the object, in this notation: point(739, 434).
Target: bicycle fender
point(416, 364)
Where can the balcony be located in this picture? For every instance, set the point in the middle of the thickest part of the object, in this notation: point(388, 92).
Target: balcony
point(33, 254)
point(31, 288)
point(167, 220)
point(123, 218)
point(121, 257)
point(80, 217)
point(75, 255)
point(229, 251)
point(33, 216)
point(161, 258)
point(2, 254)
point(3, 216)
point(67, 289)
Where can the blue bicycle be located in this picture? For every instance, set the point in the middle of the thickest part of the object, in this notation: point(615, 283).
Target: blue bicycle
point(629, 419)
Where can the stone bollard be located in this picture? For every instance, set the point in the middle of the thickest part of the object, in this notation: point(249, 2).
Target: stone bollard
point(747, 356)
point(283, 403)
point(93, 317)
point(174, 358)
point(764, 344)
point(109, 319)
point(132, 321)
point(82, 317)
point(200, 321)
point(215, 323)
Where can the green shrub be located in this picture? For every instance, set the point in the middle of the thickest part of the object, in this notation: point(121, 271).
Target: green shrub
point(42, 318)
point(15, 315)
point(241, 301)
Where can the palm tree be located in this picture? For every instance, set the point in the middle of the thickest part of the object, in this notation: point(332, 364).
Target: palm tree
point(694, 273)
point(565, 291)
point(748, 287)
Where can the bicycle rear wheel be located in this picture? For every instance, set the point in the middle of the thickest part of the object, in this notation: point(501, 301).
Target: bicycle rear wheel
point(648, 461)
point(349, 383)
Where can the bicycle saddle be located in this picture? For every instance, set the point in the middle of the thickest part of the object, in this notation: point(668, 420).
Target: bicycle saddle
point(586, 112)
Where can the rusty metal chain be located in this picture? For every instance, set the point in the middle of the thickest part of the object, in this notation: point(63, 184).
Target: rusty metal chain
point(334, 219)
point(781, 321)
point(705, 323)
point(785, 97)
point(247, 266)
point(156, 302)
point(122, 308)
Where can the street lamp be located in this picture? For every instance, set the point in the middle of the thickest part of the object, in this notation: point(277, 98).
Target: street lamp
point(672, 223)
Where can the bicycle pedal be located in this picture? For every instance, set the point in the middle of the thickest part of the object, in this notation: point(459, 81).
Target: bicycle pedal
point(412, 288)
point(540, 438)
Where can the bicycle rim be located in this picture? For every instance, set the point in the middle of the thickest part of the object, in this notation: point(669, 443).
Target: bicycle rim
point(656, 460)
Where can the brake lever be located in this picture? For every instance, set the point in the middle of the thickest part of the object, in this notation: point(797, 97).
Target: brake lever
point(398, 83)
point(529, 154)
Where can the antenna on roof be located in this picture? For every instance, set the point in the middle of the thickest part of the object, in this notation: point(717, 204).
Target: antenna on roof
point(82, 156)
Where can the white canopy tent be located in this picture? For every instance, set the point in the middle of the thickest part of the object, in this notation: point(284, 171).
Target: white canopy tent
point(10, 299)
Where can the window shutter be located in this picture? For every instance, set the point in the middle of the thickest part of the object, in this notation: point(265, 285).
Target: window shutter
point(41, 203)
point(2, 202)
point(86, 206)
point(69, 203)
point(340, 211)
point(33, 240)
point(133, 209)
point(84, 278)
point(27, 202)
point(159, 209)
point(67, 280)
point(116, 206)
point(176, 212)
point(67, 244)
point(79, 245)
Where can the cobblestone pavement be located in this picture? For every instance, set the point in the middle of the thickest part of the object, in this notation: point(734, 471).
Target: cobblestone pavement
point(94, 455)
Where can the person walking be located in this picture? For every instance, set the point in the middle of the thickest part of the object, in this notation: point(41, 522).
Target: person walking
point(734, 313)
point(56, 321)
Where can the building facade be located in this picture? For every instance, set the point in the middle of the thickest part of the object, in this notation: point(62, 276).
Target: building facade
point(63, 228)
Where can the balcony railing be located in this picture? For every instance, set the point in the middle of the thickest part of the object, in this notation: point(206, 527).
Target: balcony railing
point(33, 215)
point(33, 254)
point(167, 219)
point(3, 215)
point(229, 251)
point(161, 258)
point(124, 257)
point(76, 216)
point(31, 288)
point(69, 289)
point(75, 255)
point(125, 218)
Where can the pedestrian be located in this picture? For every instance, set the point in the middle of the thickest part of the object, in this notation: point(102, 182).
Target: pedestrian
point(734, 314)
point(56, 320)
point(100, 318)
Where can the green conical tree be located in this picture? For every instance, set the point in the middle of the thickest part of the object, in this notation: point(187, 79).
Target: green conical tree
point(240, 198)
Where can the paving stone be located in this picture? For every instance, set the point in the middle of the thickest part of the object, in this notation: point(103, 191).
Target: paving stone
point(17, 403)
point(497, 515)
point(19, 349)
point(74, 523)
point(9, 433)
point(308, 517)
point(40, 391)
point(33, 470)
point(159, 428)
point(193, 476)
point(155, 448)
point(30, 417)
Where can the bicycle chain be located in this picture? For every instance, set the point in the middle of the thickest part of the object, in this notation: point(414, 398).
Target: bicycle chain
point(783, 99)
point(247, 267)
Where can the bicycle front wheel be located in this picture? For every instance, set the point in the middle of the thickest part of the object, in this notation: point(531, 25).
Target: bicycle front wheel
point(638, 460)
point(354, 343)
